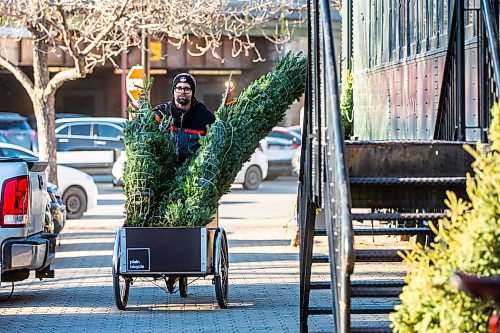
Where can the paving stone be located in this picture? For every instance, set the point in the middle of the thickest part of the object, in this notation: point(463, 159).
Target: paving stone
point(263, 276)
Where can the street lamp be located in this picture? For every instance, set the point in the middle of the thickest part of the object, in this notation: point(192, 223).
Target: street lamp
point(229, 84)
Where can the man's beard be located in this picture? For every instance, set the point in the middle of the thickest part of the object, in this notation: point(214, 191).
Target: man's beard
point(181, 100)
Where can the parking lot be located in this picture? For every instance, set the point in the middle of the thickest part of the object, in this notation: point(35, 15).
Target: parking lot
point(263, 276)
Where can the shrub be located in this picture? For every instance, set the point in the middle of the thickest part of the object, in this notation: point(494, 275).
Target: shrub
point(467, 240)
point(347, 104)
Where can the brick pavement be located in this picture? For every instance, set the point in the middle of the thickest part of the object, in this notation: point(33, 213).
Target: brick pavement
point(263, 277)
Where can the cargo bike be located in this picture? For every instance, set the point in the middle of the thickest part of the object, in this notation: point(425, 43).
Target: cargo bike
point(171, 254)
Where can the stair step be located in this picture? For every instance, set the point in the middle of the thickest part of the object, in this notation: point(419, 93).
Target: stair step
point(378, 255)
point(379, 283)
point(371, 309)
point(376, 288)
point(321, 285)
point(320, 259)
point(375, 291)
point(392, 231)
point(356, 309)
point(383, 231)
point(320, 232)
point(397, 216)
point(317, 310)
point(371, 329)
point(367, 256)
point(387, 181)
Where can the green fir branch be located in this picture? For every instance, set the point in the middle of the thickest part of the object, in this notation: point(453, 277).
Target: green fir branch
point(230, 142)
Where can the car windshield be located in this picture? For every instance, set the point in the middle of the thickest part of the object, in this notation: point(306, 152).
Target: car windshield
point(278, 141)
point(18, 125)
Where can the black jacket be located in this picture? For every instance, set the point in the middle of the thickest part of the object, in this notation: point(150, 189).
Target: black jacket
point(187, 127)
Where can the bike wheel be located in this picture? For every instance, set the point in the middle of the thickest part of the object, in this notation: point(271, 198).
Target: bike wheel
point(221, 279)
point(183, 286)
point(121, 287)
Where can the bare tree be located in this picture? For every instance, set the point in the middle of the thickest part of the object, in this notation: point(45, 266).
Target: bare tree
point(211, 20)
point(90, 34)
point(93, 32)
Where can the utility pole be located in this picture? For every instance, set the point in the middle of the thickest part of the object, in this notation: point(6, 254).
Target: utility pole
point(123, 83)
point(145, 52)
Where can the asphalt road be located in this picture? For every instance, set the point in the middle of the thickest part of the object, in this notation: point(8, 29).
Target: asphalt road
point(263, 276)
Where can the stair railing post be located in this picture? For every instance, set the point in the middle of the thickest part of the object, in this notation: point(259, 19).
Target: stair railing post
point(306, 212)
point(306, 216)
point(483, 91)
point(460, 69)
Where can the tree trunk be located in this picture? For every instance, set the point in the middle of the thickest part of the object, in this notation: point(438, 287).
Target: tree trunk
point(45, 114)
point(44, 107)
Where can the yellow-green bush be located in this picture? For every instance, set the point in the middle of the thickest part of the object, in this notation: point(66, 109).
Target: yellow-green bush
point(347, 103)
point(467, 240)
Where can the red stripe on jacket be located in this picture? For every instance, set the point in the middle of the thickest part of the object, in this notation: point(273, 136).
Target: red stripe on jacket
point(187, 130)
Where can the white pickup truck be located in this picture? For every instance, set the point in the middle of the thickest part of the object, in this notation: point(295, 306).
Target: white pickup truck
point(24, 245)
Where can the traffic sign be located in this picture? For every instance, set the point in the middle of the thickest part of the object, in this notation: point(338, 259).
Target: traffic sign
point(154, 51)
point(134, 82)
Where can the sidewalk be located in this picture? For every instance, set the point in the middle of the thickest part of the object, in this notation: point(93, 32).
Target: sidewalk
point(263, 277)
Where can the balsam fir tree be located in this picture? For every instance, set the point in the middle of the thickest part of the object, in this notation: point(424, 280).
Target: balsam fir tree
point(161, 194)
point(150, 165)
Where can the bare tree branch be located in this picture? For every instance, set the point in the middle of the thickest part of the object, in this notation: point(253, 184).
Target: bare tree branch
point(61, 77)
point(18, 74)
point(66, 34)
point(104, 32)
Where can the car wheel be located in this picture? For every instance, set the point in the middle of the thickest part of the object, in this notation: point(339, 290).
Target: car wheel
point(76, 202)
point(253, 178)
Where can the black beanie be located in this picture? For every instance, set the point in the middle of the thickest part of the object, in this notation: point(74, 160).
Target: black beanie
point(187, 78)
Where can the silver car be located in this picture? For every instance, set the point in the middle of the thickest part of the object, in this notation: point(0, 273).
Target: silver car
point(16, 130)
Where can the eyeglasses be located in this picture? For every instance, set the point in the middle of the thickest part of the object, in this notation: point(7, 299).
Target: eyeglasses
point(185, 90)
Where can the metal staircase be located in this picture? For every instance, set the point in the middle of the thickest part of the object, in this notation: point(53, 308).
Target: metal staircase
point(400, 205)
point(376, 189)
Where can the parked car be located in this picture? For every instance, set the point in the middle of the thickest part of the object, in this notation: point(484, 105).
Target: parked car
point(70, 115)
point(56, 210)
point(59, 115)
point(3, 138)
point(251, 175)
point(16, 130)
point(90, 144)
point(296, 129)
point(23, 196)
point(282, 144)
point(296, 162)
point(254, 171)
point(79, 191)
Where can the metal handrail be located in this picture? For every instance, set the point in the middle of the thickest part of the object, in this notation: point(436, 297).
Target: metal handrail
point(306, 208)
point(337, 191)
point(446, 77)
point(323, 177)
